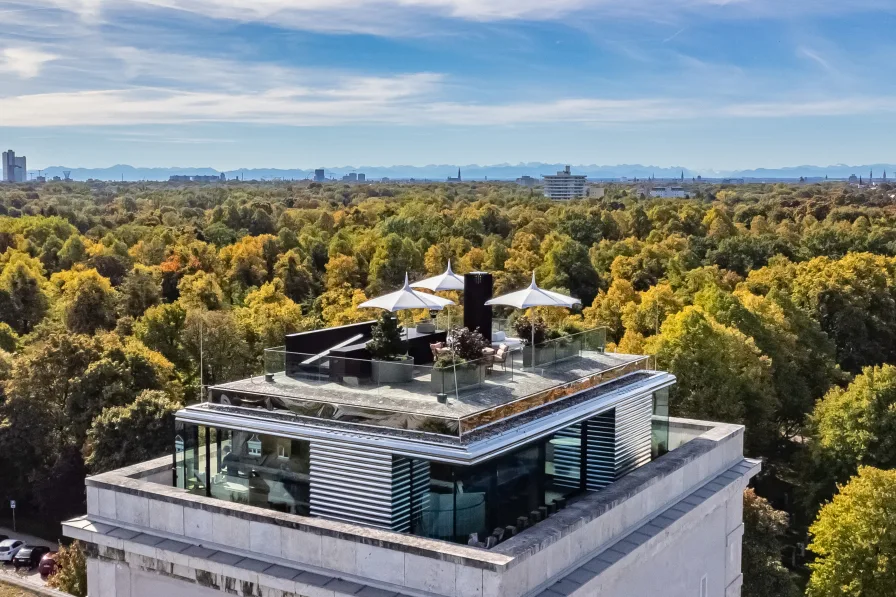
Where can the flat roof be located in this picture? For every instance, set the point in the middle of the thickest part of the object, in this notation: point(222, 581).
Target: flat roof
point(413, 406)
point(417, 397)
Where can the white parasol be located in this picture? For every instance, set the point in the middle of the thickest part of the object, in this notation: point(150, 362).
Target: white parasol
point(533, 296)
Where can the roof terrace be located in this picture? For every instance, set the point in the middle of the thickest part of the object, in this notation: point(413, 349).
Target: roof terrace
point(457, 403)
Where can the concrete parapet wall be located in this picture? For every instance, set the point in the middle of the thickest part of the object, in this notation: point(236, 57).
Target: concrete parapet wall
point(389, 561)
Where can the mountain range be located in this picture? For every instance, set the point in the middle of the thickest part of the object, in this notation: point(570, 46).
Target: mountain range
point(439, 172)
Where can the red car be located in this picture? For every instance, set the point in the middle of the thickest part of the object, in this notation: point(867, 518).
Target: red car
point(47, 566)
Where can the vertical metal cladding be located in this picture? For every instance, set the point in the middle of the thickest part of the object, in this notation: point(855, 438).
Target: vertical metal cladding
point(618, 441)
point(371, 487)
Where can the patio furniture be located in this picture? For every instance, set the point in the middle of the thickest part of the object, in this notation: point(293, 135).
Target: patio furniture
point(500, 356)
point(499, 338)
point(439, 349)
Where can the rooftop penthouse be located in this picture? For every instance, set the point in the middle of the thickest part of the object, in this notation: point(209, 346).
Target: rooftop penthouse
point(540, 467)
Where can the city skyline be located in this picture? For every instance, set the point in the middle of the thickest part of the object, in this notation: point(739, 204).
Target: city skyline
point(716, 85)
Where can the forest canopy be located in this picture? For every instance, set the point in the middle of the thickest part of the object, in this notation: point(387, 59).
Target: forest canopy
point(763, 299)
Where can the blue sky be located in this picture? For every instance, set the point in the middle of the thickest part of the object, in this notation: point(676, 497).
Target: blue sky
point(706, 84)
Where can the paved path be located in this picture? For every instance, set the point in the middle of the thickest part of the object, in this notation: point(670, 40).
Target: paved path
point(29, 539)
point(25, 583)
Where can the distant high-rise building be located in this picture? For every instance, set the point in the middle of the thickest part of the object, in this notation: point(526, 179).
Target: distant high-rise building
point(319, 175)
point(21, 169)
point(564, 185)
point(526, 181)
point(350, 177)
point(362, 177)
point(14, 168)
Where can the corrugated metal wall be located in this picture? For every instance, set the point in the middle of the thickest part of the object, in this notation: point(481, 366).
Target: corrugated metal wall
point(618, 441)
point(371, 487)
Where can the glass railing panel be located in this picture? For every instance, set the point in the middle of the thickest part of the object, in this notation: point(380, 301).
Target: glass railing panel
point(548, 396)
point(562, 348)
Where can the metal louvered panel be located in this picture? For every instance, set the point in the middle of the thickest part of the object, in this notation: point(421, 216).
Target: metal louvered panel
point(633, 433)
point(371, 487)
point(601, 451)
point(618, 441)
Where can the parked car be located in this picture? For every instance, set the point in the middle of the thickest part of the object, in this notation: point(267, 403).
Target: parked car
point(9, 548)
point(47, 566)
point(29, 556)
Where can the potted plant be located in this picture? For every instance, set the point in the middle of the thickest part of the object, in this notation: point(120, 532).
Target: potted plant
point(523, 328)
point(390, 364)
point(466, 365)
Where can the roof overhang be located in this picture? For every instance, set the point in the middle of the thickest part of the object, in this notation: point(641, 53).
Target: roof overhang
point(256, 421)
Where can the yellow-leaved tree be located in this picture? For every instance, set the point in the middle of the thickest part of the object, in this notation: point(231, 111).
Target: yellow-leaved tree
point(854, 539)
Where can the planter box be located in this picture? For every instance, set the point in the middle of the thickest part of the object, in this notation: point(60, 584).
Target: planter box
point(545, 355)
point(398, 371)
point(468, 376)
point(542, 356)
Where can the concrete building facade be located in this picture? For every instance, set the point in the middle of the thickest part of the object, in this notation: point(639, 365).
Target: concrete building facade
point(673, 192)
point(564, 185)
point(672, 528)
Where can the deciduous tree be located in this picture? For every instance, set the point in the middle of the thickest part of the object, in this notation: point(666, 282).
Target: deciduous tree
point(853, 539)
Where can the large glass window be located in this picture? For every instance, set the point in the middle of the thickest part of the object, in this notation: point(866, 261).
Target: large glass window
point(660, 423)
point(189, 454)
point(563, 464)
point(463, 500)
point(238, 466)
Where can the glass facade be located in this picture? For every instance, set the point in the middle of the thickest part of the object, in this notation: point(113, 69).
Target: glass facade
point(256, 469)
point(659, 444)
point(475, 500)
point(455, 503)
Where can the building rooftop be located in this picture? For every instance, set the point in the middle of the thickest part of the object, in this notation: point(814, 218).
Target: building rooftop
point(486, 398)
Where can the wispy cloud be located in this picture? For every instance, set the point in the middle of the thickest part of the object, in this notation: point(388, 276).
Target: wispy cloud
point(407, 17)
point(25, 63)
point(804, 52)
point(404, 100)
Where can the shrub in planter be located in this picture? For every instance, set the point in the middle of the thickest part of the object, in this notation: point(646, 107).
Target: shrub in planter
point(467, 345)
point(523, 328)
point(465, 365)
point(386, 343)
point(390, 364)
point(449, 373)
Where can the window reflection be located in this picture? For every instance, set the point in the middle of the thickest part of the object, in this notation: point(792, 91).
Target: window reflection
point(456, 504)
point(260, 470)
point(563, 464)
point(659, 444)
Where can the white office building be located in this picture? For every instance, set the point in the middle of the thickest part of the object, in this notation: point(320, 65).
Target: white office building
point(564, 185)
point(669, 192)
